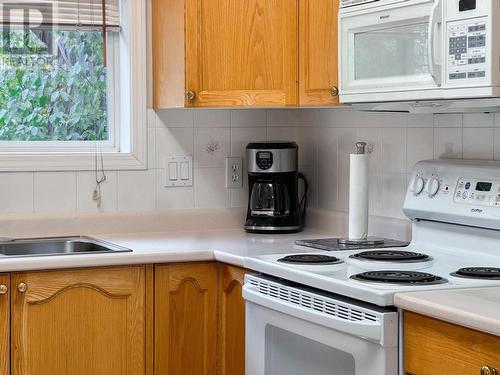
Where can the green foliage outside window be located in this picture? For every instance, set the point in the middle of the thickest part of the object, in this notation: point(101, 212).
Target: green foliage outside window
point(56, 95)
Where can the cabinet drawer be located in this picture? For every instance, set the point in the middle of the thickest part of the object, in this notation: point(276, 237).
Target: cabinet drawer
point(434, 347)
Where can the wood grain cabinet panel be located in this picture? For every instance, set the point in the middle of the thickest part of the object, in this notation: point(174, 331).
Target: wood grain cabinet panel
point(318, 51)
point(225, 53)
point(4, 324)
point(231, 320)
point(186, 319)
point(433, 347)
point(242, 52)
point(79, 322)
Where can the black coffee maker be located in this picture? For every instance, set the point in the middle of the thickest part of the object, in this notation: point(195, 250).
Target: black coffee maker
point(273, 184)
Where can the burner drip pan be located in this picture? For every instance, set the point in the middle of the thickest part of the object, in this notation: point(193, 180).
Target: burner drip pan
point(399, 278)
point(478, 273)
point(310, 259)
point(391, 256)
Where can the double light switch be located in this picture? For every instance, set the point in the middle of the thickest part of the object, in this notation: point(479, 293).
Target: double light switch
point(179, 171)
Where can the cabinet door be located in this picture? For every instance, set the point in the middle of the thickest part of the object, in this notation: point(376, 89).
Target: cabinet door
point(232, 320)
point(78, 322)
point(318, 30)
point(4, 324)
point(241, 52)
point(186, 319)
point(435, 347)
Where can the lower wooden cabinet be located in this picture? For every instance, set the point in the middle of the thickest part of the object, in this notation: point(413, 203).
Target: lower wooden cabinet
point(434, 347)
point(173, 319)
point(186, 319)
point(231, 320)
point(78, 322)
point(4, 324)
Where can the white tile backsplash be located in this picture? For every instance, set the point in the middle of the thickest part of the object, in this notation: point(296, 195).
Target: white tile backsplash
point(211, 147)
point(212, 118)
point(478, 143)
point(16, 192)
point(326, 138)
point(210, 190)
point(55, 191)
point(448, 143)
point(136, 190)
point(86, 184)
point(419, 145)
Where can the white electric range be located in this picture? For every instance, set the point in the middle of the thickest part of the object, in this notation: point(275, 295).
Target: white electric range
point(330, 313)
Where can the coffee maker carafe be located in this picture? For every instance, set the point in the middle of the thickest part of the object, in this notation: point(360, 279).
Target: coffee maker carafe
point(273, 182)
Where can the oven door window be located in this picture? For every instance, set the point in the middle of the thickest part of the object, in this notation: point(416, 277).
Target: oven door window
point(401, 51)
point(290, 354)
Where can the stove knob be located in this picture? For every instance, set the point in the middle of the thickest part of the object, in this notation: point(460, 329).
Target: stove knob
point(432, 187)
point(417, 185)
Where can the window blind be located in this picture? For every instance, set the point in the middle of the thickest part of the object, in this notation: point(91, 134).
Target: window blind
point(61, 13)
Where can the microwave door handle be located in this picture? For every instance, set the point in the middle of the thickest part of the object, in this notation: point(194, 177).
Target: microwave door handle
point(434, 20)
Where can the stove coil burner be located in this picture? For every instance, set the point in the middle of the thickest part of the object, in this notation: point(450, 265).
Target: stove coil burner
point(481, 273)
point(391, 256)
point(313, 259)
point(399, 277)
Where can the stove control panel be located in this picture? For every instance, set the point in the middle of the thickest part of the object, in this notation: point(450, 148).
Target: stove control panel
point(465, 192)
point(477, 192)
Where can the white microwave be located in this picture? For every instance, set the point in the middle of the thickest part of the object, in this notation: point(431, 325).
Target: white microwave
point(417, 50)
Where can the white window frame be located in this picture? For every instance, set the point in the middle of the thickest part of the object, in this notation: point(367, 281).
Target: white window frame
point(127, 111)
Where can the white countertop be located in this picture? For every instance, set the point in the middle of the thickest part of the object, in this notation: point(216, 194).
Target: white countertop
point(477, 308)
point(229, 246)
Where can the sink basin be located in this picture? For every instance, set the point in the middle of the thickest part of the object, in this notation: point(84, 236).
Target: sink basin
point(57, 246)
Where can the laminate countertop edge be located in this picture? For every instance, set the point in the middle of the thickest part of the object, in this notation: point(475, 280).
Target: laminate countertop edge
point(227, 246)
point(474, 308)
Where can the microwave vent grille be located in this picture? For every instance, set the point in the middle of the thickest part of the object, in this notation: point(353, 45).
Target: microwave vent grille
point(313, 302)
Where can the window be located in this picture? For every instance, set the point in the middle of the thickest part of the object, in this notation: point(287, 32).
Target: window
point(66, 79)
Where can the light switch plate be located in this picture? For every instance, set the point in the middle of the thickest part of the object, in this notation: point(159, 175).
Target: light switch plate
point(234, 173)
point(178, 171)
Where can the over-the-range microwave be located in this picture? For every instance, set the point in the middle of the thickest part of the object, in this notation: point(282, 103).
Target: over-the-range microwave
point(419, 50)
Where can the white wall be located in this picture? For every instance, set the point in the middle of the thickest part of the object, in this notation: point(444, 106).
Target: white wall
point(326, 137)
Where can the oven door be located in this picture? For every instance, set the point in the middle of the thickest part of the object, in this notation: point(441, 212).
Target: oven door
point(394, 49)
point(291, 331)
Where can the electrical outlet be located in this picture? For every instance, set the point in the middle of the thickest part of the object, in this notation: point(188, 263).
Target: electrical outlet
point(234, 173)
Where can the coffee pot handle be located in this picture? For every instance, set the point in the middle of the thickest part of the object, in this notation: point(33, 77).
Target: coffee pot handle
point(303, 200)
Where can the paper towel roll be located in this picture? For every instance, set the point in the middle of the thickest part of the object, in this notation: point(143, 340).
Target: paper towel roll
point(358, 197)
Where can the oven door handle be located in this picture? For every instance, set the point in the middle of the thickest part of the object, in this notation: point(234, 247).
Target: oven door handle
point(381, 332)
point(435, 19)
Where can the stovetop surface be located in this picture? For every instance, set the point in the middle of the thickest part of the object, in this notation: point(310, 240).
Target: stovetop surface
point(339, 278)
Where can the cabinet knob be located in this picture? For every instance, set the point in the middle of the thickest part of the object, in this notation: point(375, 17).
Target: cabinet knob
point(3, 289)
point(190, 95)
point(22, 287)
point(334, 91)
point(487, 370)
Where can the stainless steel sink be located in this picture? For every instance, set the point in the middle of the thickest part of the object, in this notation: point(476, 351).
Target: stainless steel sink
point(57, 246)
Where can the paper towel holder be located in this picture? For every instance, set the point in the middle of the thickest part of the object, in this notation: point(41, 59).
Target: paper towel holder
point(361, 150)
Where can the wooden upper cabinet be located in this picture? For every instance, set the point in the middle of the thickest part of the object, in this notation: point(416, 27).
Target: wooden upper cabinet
point(244, 53)
point(4, 324)
point(186, 319)
point(318, 62)
point(231, 320)
point(219, 53)
point(241, 53)
point(79, 322)
point(435, 347)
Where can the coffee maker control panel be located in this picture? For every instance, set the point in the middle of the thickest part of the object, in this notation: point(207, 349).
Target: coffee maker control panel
point(264, 159)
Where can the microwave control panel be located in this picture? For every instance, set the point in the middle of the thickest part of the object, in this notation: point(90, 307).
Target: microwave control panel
point(477, 192)
point(467, 55)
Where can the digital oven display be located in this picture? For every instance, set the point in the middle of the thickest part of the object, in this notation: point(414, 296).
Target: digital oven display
point(264, 155)
point(483, 186)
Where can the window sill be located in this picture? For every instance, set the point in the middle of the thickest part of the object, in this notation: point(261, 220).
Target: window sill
point(69, 161)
